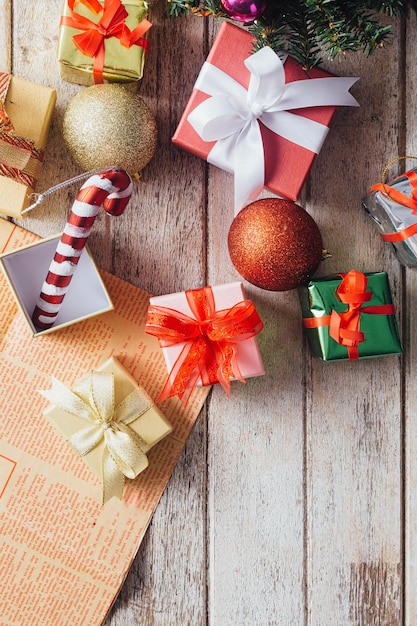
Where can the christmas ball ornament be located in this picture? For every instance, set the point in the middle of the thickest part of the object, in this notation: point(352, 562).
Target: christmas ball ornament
point(245, 11)
point(275, 244)
point(110, 125)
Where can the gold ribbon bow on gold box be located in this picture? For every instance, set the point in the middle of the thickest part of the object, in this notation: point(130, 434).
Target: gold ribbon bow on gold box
point(109, 421)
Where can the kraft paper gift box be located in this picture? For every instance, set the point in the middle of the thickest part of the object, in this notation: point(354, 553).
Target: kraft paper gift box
point(122, 55)
point(350, 316)
point(147, 422)
point(25, 270)
point(393, 208)
point(26, 111)
point(286, 163)
point(225, 297)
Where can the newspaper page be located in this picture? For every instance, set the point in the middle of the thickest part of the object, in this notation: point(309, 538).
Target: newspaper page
point(64, 556)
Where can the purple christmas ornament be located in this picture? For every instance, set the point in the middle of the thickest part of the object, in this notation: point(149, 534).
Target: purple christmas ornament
point(244, 10)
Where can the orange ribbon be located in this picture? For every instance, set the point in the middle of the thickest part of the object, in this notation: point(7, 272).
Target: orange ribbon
point(91, 41)
point(210, 341)
point(93, 5)
point(344, 327)
point(401, 198)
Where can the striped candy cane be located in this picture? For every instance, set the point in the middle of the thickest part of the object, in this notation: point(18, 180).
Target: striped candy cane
point(112, 190)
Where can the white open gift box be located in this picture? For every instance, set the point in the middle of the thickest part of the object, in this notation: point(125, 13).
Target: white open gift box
point(26, 269)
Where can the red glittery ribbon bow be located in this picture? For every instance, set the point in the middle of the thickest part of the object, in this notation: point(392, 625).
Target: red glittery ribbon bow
point(20, 158)
point(210, 341)
point(344, 327)
point(91, 41)
point(401, 198)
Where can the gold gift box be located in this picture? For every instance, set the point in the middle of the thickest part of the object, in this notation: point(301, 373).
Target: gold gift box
point(30, 108)
point(151, 425)
point(121, 64)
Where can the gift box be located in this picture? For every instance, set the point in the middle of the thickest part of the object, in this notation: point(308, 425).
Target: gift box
point(110, 421)
point(103, 41)
point(350, 316)
point(51, 507)
point(26, 111)
point(207, 336)
point(393, 208)
point(293, 110)
point(25, 270)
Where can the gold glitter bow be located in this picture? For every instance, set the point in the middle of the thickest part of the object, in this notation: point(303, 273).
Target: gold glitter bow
point(92, 399)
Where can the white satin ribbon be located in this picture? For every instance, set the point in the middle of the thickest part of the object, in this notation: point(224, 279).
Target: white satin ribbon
point(232, 114)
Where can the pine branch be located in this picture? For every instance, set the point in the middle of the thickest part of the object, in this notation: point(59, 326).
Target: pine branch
point(215, 8)
point(340, 28)
point(176, 8)
point(272, 33)
point(391, 8)
point(303, 44)
point(310, 29)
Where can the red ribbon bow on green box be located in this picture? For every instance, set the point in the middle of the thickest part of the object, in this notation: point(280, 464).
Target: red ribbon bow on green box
point(91, 41)
point(344, 327)
point(210, 339)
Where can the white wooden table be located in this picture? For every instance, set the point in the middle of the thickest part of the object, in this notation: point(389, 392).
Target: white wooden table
point(294, 503)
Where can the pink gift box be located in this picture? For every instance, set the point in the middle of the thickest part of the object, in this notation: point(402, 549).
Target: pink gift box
point(225, 297)
point(286, 164)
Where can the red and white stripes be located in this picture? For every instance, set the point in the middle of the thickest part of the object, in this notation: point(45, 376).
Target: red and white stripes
point(112, 190)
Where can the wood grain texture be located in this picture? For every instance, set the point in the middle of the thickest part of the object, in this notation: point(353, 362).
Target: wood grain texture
point(409, 86)
point(255, 458)
point(354, 480)
point(5, 34)
point(294, 502)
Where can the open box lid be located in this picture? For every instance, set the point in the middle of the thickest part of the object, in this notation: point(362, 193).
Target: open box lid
point(26, 269)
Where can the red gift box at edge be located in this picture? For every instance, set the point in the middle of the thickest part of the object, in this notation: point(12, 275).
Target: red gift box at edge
point(286, 164)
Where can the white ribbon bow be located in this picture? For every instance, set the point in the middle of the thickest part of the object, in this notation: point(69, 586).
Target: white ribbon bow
point(232, 114)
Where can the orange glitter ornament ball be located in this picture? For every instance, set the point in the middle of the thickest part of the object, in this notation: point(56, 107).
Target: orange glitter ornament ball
point(275, 244)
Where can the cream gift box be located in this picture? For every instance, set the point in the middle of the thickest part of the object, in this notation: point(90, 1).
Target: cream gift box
point(123, 397)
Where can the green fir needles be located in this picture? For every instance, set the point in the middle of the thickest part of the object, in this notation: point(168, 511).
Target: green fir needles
point(311, 29)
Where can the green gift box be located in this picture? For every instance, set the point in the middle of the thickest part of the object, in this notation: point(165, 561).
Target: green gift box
point(103, 41)
point(350, 316)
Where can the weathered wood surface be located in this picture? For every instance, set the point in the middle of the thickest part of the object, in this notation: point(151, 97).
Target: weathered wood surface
point(295, 501)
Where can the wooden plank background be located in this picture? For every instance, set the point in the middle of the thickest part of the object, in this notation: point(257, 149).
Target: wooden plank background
point(294, 502)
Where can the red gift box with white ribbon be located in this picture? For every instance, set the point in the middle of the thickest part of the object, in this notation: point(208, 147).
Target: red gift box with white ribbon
point(259, 117)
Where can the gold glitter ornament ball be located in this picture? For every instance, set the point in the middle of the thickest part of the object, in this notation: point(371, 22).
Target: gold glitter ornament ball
point(110, 125)
point(275, 244)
